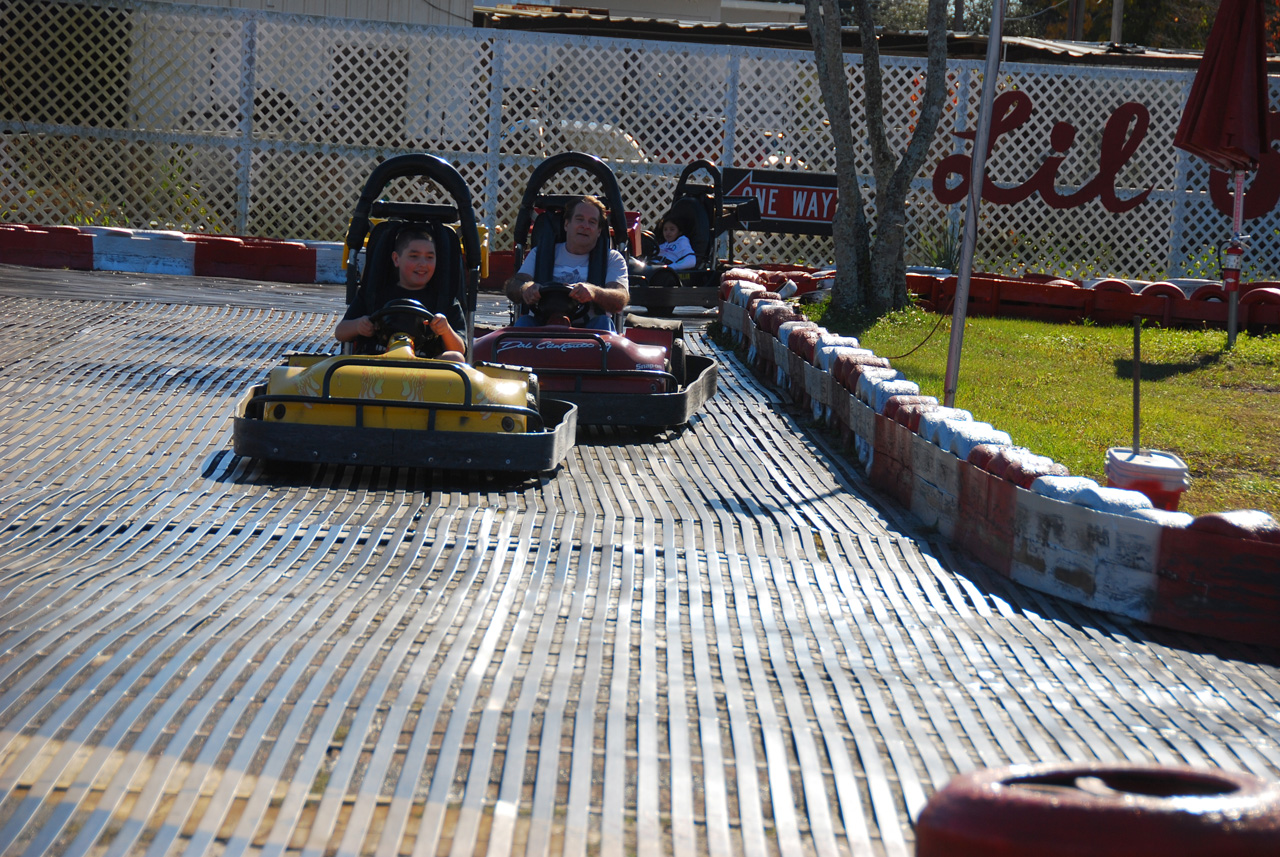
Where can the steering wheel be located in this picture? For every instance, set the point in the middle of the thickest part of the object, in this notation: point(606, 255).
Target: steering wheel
point(406, 316)
point(555, 301)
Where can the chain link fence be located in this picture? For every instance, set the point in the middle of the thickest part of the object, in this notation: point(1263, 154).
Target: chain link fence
point(257, 123)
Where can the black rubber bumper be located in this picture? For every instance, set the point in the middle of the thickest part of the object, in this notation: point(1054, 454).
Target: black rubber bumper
point(655, 410)
point(447, 450)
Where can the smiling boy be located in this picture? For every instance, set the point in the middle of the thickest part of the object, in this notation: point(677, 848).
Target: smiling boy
point(414, 259)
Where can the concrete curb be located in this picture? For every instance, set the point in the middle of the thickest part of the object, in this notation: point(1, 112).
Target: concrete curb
point(1105, 548)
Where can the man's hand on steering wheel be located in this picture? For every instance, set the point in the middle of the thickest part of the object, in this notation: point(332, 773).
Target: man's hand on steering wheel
point(583, 293)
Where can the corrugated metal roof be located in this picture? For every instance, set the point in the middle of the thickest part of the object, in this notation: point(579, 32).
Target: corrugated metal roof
point(583, 21)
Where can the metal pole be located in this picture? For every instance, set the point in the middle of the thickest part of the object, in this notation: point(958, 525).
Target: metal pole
point(978, 174)
point(1137, 378)
point(1117, 20)
point(1237, 222)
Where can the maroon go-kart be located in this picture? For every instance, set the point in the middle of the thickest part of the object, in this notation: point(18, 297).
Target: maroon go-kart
point(640, 376)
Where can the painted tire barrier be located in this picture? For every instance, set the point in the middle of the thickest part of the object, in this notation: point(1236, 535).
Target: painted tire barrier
point(46, 247)
point(1248, 524)
point(1024, 469)
point(804, 343)
point(848, 367)
point(1023, 514)
point(909, 415)
point(1162, 290)
point(1117, 501)
point(931, 423)
point(1101, 810)
point(157, 251)
point(1267, 296)
point(1209, 292)
point(1108, 300)
point(136, 251)
point(894, 407)
point(254, 258)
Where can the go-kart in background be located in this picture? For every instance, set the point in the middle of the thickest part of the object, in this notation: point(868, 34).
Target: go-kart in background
point(235, 122)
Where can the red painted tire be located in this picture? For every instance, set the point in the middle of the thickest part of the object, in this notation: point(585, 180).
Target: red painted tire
point(1249, 524)
point(984, 457)
point(895, 403)
point(847, 367)
point(1268, 296)
point(1022, 472)
point(760, 296)
point(804, 342)
point(909, 415)
point(1117, 286)
point(1101, 810)
point(1162, 290)
point(1209, 292)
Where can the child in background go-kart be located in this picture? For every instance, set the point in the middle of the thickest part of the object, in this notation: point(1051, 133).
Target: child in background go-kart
point(414, 258)
point(675, 251)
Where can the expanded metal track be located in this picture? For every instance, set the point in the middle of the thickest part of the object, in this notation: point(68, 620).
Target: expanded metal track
point(705, 642)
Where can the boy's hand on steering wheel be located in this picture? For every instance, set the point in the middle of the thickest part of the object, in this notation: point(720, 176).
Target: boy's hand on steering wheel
point(530, 293)
point(364, 326)
point(439, 325)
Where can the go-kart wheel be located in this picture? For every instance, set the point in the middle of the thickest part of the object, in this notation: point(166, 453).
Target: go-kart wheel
point(555, 301)
point(677, 361)
point(405, 316)
point(533, 396)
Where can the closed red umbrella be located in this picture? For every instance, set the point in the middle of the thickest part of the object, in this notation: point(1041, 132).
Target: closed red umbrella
point(1225, 119)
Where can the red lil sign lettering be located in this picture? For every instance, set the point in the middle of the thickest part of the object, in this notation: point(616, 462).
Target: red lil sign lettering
point(1011, 110)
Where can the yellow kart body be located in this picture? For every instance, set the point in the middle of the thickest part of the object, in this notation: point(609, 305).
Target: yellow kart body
point(396, 390)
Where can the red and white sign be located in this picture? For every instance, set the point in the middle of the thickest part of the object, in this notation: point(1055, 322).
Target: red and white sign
point(796, 202)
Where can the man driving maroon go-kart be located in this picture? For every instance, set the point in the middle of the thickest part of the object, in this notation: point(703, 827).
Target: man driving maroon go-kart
point(576, 274)
point(565, 290)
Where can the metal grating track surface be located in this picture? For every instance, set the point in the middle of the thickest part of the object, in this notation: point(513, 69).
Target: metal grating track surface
point(710, 642)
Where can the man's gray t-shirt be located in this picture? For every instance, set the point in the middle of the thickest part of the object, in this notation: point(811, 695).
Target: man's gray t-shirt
point(573, 268)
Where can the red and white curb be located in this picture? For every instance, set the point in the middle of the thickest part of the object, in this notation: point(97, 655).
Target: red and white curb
point(1017, 512)
point(142, 251)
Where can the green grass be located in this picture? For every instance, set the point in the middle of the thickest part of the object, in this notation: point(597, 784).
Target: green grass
point(1066, 391)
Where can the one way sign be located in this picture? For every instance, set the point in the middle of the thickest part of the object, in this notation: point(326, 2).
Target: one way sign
point(801, 203)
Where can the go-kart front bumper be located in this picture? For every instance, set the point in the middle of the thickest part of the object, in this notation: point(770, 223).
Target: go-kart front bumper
point(532, 451)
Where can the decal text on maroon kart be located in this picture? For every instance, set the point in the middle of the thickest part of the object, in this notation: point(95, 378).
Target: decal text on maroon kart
point(548, 345)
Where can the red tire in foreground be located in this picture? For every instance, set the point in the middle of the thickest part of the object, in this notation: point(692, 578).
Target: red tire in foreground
point(1101, 810)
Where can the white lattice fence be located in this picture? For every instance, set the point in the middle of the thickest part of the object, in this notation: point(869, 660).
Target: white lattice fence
point(237, 121)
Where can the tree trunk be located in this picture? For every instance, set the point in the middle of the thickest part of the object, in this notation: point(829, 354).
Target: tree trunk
point(849, 227)
point(871, 276)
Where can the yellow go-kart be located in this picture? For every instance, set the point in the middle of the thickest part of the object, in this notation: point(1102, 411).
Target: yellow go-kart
point(392, 406)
